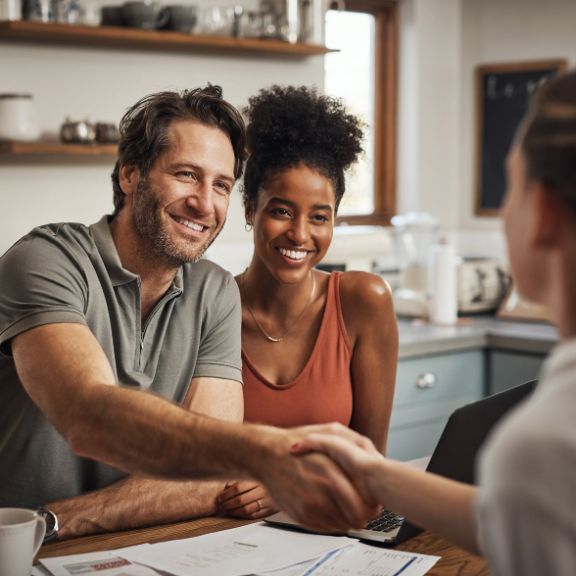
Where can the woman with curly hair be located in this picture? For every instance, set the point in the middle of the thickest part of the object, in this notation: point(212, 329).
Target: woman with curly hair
point(316, 347)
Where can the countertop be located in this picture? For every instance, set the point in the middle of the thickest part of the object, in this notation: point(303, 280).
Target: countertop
point(419, 339)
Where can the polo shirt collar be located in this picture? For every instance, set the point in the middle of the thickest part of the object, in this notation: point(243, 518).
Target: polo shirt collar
point(107, 248)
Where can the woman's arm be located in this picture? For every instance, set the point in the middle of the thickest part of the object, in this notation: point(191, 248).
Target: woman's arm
point(439, 504)
point(371, 325)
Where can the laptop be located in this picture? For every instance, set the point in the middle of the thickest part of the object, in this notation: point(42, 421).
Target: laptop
point(454, 457)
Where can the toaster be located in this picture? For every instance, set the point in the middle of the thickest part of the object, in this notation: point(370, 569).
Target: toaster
point(482, 285)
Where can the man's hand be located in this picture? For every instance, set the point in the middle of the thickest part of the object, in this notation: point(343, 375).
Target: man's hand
point(245, 499)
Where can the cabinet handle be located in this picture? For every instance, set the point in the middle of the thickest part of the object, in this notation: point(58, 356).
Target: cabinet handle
point(426, 380)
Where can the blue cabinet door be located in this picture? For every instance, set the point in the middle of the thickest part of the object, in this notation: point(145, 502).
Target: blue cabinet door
point(508, 369)
point(428, 390)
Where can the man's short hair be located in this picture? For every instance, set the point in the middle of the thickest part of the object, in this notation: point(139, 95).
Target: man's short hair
point(144, 129)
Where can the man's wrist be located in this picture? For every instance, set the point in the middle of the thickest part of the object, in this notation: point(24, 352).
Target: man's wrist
point(264, 445)
point(52, 525)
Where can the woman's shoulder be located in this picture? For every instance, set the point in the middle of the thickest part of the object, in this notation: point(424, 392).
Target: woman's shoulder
point(365, 289)
point(364, 299)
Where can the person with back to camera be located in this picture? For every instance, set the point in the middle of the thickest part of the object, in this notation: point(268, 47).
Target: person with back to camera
point(120, 346)
point(522, 515)
point(316, 347)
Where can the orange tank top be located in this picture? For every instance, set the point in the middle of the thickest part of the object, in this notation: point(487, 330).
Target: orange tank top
point(323, 390)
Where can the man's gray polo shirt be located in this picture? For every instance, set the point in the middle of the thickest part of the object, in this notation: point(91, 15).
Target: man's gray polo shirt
point(72, 273)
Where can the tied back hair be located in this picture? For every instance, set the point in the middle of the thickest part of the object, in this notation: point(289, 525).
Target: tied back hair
point(292, 126)
point(549, 139)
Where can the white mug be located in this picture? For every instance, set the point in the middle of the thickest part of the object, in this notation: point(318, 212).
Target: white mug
point(21, 534)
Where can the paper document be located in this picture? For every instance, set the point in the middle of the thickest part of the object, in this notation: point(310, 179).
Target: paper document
point(364, 560)
point(96, 563)
point(294, 570)
point(249, 549)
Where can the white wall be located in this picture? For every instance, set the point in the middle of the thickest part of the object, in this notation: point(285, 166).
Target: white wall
point(442, 41)
point(499, 31)
point(101, 84)
point(429, 102)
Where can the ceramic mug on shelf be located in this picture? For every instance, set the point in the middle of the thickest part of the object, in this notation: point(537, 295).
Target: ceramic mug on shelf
point(21, 534)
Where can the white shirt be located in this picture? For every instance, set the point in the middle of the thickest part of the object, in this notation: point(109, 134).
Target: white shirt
point(526, 503)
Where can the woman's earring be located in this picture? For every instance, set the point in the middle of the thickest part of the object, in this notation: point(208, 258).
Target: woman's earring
point(248, 227)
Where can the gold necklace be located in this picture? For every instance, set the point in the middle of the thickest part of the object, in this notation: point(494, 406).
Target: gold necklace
point(264, 333)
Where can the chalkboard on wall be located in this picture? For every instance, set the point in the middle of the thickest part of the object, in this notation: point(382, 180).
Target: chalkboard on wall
point(503, 93)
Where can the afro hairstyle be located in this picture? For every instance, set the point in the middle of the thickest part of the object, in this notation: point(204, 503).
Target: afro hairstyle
point(289, 126)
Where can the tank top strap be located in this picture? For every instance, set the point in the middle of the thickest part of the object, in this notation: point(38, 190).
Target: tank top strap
point(336, 304)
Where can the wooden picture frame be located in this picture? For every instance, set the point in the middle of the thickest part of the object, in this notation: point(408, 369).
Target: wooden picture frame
point(503, 93)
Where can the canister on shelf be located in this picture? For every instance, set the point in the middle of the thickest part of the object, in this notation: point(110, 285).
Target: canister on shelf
point(18, 117)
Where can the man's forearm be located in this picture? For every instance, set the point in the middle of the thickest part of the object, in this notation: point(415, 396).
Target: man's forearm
point(133, 503)
point(179, 445)
point(146, 435)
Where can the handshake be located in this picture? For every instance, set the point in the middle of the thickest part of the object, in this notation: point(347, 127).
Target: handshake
point(323, 476)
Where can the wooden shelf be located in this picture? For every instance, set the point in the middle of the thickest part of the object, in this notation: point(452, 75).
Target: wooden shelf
point(49, 148)
point(155, 40)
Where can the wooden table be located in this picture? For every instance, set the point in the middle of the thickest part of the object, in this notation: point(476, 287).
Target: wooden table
point(454, 561)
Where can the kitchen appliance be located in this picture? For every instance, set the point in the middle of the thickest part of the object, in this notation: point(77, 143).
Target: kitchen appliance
point(482, 284)
point(414, 233)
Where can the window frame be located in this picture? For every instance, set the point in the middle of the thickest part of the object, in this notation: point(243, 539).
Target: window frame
point(385, 107)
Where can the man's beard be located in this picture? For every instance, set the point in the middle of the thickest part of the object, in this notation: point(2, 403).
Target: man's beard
point(148, 223)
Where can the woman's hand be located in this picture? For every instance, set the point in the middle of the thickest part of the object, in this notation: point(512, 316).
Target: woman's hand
point(245, 499)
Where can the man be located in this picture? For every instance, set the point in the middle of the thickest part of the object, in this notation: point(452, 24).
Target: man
point(105, 330)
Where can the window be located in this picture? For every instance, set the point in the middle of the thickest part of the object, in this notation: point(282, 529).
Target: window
point(363, 74)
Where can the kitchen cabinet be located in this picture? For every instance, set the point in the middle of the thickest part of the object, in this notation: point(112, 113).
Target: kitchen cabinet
point(444, 367)
point(428, 390)
point(507, 369)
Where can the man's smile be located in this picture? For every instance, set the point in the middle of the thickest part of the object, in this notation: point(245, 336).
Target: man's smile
point(195, 226)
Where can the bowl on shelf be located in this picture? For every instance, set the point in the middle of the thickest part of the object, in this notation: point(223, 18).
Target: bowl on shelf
point(144, 14)
point(180, 17)
point(111, 16)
